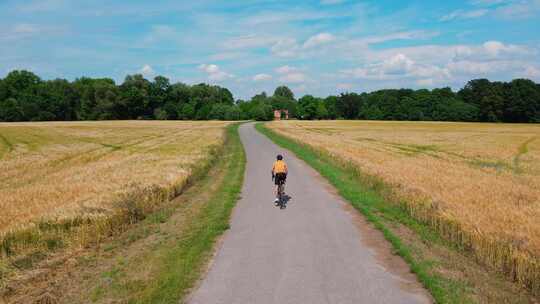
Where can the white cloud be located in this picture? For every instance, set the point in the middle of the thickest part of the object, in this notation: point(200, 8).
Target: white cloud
point(249, 41)
point(290, 74)
point(25, 28)
point(286, 47)
point(438, 65)
point(214, 72)
point(428, 82)
point(299, 89)
point(262, 77)
point(331, 2)
point(406, 35)
point(147, 71)
point(227, 56)
point(295, 77)
point(159, 33)
point(518, 9)
point(319, 39)
point(41, 5)
point(282, 17)
point(505, 9)
point(497, 49)
point(472, 67)
point(461, 14)
point(488, 2)
point(344, 86)
point(532, 72)
point(22, 31)
point(398, 64)
point(285, 69)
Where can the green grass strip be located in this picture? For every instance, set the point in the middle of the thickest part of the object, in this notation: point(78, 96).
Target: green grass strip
point(368, 200)
point(184, 263)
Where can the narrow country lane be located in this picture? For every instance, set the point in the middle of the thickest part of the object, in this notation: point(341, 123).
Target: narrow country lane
point(313, 251)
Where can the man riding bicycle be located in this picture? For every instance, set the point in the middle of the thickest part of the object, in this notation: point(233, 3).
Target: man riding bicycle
point(279, 175)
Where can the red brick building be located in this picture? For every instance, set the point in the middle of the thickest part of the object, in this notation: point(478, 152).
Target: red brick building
point(281, 114)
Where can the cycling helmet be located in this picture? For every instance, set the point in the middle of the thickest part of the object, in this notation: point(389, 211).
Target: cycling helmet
point(279, 157)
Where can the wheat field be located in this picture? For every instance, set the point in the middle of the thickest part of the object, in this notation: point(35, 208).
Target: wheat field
point(478, 184)
point(62, 170)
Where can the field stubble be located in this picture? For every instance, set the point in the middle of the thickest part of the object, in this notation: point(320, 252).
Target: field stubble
point(95, 176)
point(477, 184)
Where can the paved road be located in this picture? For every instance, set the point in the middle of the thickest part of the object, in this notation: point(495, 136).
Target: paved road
point(314, 251)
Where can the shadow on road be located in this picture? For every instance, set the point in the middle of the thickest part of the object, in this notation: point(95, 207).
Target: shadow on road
point(284, 200)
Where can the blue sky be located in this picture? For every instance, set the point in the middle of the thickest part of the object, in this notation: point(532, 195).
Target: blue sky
point(319, 47)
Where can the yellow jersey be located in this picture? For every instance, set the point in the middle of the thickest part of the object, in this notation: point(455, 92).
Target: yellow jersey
point(279, 167)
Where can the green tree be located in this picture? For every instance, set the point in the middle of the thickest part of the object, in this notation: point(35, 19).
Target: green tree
point(521, 101)
point(348, 105)
point(10, 110)
point(233, 113)
point(262, 112)
point(219, 111)
point(330, 105)
point(487, 97)
point(187, 112)
point(160, 114)
point(285, 92)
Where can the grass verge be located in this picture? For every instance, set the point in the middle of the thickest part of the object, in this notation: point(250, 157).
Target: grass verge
point(183, 264)
point(370, 196)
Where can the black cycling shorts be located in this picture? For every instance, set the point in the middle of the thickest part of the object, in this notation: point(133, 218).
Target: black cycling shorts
point(280, 178)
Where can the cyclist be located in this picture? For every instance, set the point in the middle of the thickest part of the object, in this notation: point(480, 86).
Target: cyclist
point(279, 174)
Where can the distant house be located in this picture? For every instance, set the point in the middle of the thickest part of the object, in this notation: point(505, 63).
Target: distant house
point(281, 114)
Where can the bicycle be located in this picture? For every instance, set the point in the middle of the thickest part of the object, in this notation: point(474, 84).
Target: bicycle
point(281, 196)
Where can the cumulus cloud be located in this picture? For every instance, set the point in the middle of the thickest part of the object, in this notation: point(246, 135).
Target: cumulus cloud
point(434, 65)
point(319, 39)
point(262, 77)
point(498, 49)
point(147, 71)
point(400, 66)
point(214, 72)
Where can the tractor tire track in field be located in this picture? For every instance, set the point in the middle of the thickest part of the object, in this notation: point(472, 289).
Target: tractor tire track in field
point(80, 158)
point(8, 146)
point(316, 250)
point(522, 150)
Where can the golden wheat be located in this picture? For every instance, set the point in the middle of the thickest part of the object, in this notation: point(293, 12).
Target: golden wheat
point(478, 184)
point(71, 169)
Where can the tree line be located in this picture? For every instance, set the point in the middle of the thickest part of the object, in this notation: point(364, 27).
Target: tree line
point(26, 97)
